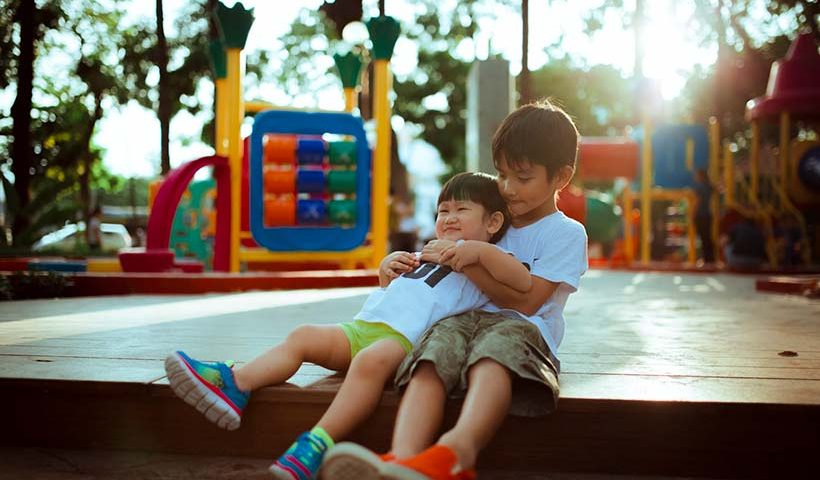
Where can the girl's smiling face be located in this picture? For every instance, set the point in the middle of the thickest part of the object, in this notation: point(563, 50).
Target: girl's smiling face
point(466, 220)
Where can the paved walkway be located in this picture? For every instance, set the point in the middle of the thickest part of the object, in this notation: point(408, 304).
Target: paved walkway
point(629, 335)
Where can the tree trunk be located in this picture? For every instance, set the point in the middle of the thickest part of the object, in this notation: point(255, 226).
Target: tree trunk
point(721, 65)
point(524, 79)
point(638, 22)
point(22, 151)
point(164, 107)
point(85, 174)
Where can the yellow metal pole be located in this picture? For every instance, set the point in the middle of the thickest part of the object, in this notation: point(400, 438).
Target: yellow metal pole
point(785, 138)
point(235, 114)
point(714, 175)
point(381, 161)
point(629, 247)
point(729, 174)
point(221, 120)
point(690, 154)
point(646, 189)
point(350, 99)
point(754, 163)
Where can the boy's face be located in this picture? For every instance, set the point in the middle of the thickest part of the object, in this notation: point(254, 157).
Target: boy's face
point(529, 193)
point(466, 220)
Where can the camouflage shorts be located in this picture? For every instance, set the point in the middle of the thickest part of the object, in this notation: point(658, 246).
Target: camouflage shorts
point(456, 343)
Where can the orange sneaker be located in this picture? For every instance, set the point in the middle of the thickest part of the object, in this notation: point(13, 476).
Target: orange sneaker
point(435, 463)
point(349, 461)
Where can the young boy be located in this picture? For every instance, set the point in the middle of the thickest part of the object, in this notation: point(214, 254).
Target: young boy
point(412, 297)
point(501, 360)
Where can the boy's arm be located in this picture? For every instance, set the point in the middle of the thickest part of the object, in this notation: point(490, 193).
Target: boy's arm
point(505, 297)
point(502, 266)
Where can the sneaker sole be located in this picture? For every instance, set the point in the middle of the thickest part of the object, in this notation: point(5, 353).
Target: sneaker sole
point(188, 386)
point(394, 471)
point(348, 461)
point(280, 473)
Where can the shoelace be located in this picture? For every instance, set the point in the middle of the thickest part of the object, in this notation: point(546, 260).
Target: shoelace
point(308, 449)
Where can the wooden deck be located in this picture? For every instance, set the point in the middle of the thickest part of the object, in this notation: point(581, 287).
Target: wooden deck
point(665, 374)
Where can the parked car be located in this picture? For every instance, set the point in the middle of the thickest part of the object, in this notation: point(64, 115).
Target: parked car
point(71, 237)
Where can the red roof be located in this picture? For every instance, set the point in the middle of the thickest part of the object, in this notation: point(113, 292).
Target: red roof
point(794, 84)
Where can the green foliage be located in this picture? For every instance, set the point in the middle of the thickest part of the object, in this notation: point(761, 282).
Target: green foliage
point(599, 98)
point(123, 192)
point(82, 41)
point(439, 73)
point(310, 36)
point(749, 36)
point(189, 60)
point(30, 285)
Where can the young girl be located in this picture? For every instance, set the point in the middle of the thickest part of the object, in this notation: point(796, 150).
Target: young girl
point(412, 297)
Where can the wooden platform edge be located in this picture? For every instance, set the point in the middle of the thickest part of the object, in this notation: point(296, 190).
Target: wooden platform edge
point(791, 285)
point(584, 435)
point(104, 283)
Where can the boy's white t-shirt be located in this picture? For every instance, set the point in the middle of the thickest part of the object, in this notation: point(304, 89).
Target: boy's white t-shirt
point(555, 249)
point(414, 301)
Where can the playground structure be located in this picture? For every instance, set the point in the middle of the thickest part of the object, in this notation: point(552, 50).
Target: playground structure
point(299, 189)
point(304, 194)
point(788, 190)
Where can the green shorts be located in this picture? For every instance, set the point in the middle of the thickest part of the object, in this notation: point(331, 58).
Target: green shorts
point(362, 334)
point(456, 343)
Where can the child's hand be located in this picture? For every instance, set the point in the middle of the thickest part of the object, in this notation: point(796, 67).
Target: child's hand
point(397, 263)
point(432, 251)
point(459, 256)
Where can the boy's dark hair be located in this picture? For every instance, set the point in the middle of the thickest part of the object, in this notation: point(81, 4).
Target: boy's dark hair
point(480, 188)
point(540, 133)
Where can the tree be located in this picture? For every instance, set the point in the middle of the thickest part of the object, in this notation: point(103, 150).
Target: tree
point(597, 97)
point(65, 164)
point(32, 23)
point(163, 105)
point(181, 62)
point(747, 44)
point(524, 76)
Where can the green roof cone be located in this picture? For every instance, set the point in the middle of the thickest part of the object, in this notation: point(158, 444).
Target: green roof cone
point(384, 31)
point(219, 61)
point(349, 66)
point(234, 24)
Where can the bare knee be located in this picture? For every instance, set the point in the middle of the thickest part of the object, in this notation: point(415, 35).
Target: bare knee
point(486, 367)
point(377, 361)
point(425, 373)
point(319, 344)
point(301, 338)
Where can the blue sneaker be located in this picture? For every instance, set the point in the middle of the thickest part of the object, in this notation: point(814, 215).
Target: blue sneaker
point(208, 387)
point(302, 460)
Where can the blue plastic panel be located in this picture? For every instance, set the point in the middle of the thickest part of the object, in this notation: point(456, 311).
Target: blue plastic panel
point(319, 237)
point(310, 151)
point(310, 181)
point(311, 212)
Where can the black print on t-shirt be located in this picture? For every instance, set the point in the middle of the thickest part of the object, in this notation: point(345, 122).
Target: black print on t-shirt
point(437, 275)
point(527, 265)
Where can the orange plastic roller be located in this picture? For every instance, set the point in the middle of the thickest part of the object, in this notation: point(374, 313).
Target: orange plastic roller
point(280, 211)
point(280, 181)
point(280, 149)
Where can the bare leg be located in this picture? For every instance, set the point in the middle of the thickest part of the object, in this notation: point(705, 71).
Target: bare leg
point(421, 412)
point(485, 407)
point(362, 387)
point(324, 345)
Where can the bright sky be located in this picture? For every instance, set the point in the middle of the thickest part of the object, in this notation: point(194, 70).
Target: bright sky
point(131, 135)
